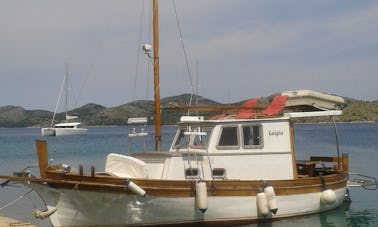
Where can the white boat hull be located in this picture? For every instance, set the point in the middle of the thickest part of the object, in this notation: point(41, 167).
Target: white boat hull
point(70, 131)
point(63, 131)
point(48, 131)
point(83, 208)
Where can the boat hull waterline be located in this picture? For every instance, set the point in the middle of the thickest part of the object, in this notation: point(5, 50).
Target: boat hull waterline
point(76, 205)
point(64, 131)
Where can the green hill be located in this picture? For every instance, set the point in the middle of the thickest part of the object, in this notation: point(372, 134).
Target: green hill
point(360, 111)
point(94, 114)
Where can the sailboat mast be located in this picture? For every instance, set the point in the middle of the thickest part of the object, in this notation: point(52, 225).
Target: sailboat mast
point(156, 76)
point(66, 91)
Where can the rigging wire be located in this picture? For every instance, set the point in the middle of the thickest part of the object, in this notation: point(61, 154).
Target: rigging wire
point(65, 86)
point(137, 71)
point(148, 40)
point(149, 35)
point(57, 104)
point(138, 50)
point(185, 54)
point(14, 201)
point(97, 51)
point(182, 44)
point(72, 92)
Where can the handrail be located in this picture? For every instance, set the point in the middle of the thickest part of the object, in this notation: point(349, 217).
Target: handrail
point(363, 181)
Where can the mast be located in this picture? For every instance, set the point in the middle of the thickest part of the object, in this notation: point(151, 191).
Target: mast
point(156, 76)
point(66, 90)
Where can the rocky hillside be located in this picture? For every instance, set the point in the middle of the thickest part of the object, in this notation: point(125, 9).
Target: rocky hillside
point(360, 111)
point(94, 114)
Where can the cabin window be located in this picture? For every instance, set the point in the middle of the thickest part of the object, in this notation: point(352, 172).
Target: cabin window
point(219, 173)
point(193, 137)
point(192, 173)
point(228, 138)
point(252, 136)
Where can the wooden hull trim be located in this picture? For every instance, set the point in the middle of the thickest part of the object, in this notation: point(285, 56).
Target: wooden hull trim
point(187, 188)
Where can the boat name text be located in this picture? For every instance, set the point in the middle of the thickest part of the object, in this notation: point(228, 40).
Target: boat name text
point(276, 132)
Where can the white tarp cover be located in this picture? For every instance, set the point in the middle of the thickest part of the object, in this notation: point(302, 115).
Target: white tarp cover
point(125, 166)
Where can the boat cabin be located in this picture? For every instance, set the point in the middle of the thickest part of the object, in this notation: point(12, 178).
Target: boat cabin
point(226, 149)
point(244, 146)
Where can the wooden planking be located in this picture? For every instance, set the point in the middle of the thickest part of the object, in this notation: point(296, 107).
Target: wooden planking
point(41, 146)
point(185, 188)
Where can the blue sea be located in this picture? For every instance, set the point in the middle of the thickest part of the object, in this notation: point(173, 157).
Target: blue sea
point(359, 140)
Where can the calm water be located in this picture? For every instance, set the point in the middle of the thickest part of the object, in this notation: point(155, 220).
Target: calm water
point(17, 150)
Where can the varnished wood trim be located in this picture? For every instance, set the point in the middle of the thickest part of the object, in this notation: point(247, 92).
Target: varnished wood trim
point(345, 162)
point(41, 147)
point(176, 188)
point(294, 165)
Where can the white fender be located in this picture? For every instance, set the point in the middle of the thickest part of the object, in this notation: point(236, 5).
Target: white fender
point(328, 197)
point(201, 196)
point(271, 197)
point(262, 204)
point(135, 188)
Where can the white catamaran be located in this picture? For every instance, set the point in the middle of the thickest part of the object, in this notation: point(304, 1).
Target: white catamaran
point(69, 127)
point(231, 168)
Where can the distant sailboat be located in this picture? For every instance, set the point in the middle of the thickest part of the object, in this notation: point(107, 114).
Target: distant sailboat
point(67, 128)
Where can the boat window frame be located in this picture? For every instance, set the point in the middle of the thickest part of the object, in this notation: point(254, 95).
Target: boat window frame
point(215, 174)
point(180, 134)
point(260, 134)
point(229, 147)
point(188, 173)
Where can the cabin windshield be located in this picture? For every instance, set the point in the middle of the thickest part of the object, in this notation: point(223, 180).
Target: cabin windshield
point(195, 137)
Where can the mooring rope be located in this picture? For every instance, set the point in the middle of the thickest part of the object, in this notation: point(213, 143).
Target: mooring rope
point(48, 212)
point(14, 201)
point(43, 214)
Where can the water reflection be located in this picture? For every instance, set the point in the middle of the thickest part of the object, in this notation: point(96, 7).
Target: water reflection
point(336, 217)
point(366, 217)
point(342, 216)
point(17, 149)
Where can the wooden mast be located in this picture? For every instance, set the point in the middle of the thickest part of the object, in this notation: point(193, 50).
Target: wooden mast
point(156, 77)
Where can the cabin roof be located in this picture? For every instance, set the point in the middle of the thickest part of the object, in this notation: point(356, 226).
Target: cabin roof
point(233, 119)
point(67, 124)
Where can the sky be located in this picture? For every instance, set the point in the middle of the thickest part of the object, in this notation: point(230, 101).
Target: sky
point(226, 50)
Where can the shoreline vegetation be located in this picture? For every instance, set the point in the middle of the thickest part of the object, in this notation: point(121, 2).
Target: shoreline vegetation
point(94, 115)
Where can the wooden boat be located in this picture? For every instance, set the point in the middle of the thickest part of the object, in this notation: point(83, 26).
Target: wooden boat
point(217, 171)
point(233, 169)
